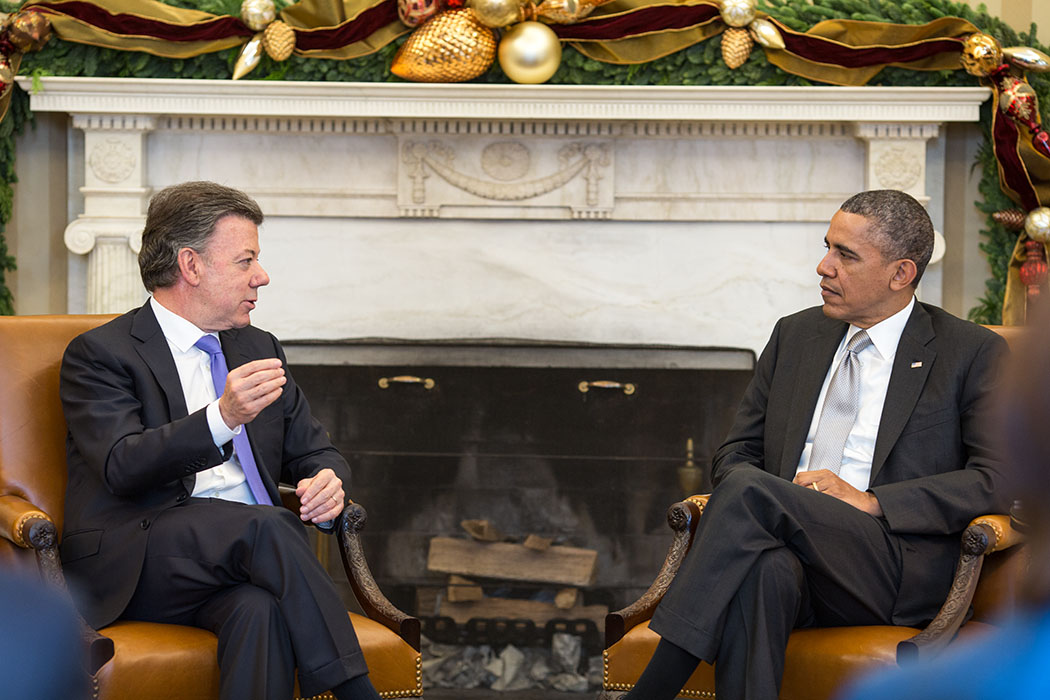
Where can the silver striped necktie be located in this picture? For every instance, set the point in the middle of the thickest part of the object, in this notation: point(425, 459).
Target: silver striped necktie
point(841, 404)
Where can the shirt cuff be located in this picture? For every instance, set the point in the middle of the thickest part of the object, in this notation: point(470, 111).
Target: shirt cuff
point(220, 434)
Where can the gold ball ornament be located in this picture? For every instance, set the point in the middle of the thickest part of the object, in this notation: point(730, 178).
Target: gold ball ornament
point(496, 13)
point(258, 13)
point(29, 31)
point(530, 53)
point(738, 13)
point(1037, 224)
point(451, 48)
point(981, 55)
point(278, 40)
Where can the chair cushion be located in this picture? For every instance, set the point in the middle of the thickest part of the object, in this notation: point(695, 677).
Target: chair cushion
point(818, 661)
point(396, 669)
point(157, 662)
point(152, 661)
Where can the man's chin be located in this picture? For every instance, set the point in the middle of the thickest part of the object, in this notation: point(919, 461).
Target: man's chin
point(831, 311)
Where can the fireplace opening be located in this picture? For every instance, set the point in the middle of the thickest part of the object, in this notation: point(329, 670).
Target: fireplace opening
point(517, 490)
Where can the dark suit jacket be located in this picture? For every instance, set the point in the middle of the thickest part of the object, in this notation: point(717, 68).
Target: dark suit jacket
point(936, 465)
point(133, 449)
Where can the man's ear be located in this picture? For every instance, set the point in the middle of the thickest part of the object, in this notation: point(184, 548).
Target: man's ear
point(904, 274)
point(190, 266)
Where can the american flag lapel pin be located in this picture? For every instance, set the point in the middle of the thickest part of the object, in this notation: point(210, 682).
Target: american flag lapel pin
point(916, 365)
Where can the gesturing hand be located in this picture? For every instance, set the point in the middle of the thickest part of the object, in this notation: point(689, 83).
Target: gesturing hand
point(321, 497)
point(832, 484)
point(249, 389)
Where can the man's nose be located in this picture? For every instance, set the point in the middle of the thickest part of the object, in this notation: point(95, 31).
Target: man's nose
point(824, 267)
point(260, 279)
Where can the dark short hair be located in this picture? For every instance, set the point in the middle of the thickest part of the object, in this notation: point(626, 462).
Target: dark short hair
point(184, 216)
point(901, 225)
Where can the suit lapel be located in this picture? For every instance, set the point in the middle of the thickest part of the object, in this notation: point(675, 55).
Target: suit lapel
point(911, 367)
point(809, 378)
point(232, 348)
point(154, 351)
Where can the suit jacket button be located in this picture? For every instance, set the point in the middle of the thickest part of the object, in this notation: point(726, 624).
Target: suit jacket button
point(180, 498)
point(144, 524)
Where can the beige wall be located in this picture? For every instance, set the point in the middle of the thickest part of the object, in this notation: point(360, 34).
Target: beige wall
point(1019, 14)
point(39, 217)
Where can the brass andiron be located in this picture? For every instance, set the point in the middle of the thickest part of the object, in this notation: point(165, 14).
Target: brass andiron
point(689, 475)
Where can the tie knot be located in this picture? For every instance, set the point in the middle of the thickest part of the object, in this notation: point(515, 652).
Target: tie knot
point(858, 342)
point(209, 344)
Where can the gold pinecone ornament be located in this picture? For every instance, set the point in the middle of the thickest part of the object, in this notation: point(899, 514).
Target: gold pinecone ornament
point(278, 40)
point(736, 46)
point(452, 47)
point(1012, 219)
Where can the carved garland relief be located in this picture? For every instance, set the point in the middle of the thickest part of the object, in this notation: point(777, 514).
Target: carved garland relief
point(505, 163)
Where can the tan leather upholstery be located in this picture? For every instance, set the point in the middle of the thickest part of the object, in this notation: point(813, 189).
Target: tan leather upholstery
point(151, 661)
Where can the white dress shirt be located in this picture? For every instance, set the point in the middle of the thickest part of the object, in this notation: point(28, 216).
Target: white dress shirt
point(194, 367)
point(876, 365)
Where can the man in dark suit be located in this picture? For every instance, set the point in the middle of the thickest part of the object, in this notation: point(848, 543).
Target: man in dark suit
point(170, 513)
point(859, 453)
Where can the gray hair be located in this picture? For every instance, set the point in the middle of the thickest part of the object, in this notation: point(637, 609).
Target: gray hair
point(901, 225)
point(184, 216)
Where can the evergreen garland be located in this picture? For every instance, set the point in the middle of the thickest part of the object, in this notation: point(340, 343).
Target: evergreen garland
point(700, 64)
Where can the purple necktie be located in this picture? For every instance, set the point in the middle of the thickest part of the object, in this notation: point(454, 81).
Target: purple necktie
point(243, 448)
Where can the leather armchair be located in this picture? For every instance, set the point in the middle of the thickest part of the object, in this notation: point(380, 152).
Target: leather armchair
point(820, 661)
point(144, 661)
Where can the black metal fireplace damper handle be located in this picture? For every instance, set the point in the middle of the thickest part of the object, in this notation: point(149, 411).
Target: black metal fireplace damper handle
point(586, 386)
point(427, 382)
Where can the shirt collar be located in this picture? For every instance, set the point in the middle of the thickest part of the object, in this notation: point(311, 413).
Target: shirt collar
point(886, 334)
point(178, 331)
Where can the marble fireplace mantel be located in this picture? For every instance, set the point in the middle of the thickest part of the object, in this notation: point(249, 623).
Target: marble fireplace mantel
point(678, 215)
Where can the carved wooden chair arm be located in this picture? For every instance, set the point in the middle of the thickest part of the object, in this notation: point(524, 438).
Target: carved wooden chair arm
point(22, 522)
point(985, 534)
point(31, 528)
point(683, 518)
point(372, 600)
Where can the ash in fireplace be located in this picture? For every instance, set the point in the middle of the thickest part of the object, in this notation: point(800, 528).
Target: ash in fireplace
point(561, 667)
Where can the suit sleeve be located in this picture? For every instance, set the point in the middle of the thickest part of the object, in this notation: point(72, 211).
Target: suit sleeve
point(945, 501)
point(105, 417)
point(744, 446)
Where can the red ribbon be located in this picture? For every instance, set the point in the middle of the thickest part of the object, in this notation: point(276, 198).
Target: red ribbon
point(222, 27)
point(642, 21)
point(821, 50)
point(358, 29)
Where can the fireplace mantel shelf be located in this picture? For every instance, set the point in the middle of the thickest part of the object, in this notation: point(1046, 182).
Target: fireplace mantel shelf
point(480, 101)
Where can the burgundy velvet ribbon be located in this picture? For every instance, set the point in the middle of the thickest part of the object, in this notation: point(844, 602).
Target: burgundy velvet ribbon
point(222, 27)
point(358, 29)
point(642, 21)
point(821, 50)
point(1005, 135)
